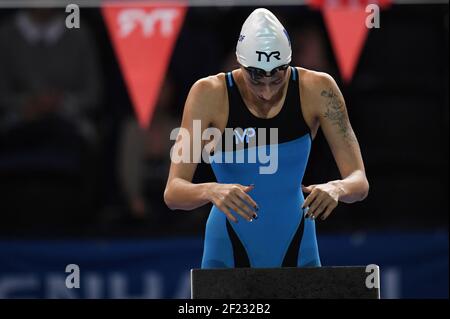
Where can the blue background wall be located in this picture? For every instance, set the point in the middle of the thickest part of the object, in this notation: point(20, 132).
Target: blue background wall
point(413, 265)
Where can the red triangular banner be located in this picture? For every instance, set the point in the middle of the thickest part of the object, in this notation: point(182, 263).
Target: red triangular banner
point(143, 36)
point(345, 21)
point(347, 29)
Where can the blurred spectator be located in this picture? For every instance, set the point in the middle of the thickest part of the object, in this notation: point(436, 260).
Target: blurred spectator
point(47, 70)
point(50, 89)
point(144, 158)
point(309, 49)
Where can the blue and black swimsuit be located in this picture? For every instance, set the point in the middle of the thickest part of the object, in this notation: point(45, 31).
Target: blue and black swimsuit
point(281, 236)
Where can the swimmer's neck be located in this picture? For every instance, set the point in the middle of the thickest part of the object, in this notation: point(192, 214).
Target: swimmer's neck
point(262, 107)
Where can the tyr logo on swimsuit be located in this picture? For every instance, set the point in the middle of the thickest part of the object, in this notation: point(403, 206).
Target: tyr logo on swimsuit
point(188, 147)
point(247, 134)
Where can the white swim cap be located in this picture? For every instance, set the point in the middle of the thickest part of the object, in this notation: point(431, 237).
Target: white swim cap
point(263, 42)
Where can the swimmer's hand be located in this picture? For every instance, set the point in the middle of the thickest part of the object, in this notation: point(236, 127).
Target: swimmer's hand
point(235, 197)
point(322, 199)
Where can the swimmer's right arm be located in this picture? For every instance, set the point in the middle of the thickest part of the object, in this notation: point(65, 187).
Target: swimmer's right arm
point(202, 104)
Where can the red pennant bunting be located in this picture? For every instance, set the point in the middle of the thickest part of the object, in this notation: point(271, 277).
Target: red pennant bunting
point(143, 35)
point(347, 29)
point(346, 24)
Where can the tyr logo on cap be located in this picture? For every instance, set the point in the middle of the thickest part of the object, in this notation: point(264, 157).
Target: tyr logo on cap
point(276, 55)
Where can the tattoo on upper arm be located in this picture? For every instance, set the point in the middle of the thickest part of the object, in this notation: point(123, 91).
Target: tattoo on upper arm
point(336, 114)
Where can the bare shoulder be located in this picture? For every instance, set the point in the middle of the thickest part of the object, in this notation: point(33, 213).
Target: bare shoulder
point(313, 82)
point(314, 87)
point(211, 84)
point(208, 100)
point(208, 93)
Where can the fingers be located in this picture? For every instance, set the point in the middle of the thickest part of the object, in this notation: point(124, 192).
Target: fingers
point(313, 207)
point(248, 200)
point(245, 197)
point(241, 208)
point(317, 208)
point(247, 188)
point(236, 199)
point(227, 212)
point(318, 203)
point(308, 189)
point(328, 211)
point(323, 209)
point(311, 197)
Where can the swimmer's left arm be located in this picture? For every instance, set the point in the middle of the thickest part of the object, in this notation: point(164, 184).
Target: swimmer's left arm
point(335, 124)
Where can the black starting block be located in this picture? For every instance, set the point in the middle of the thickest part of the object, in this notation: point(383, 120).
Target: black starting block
point(356, 282)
